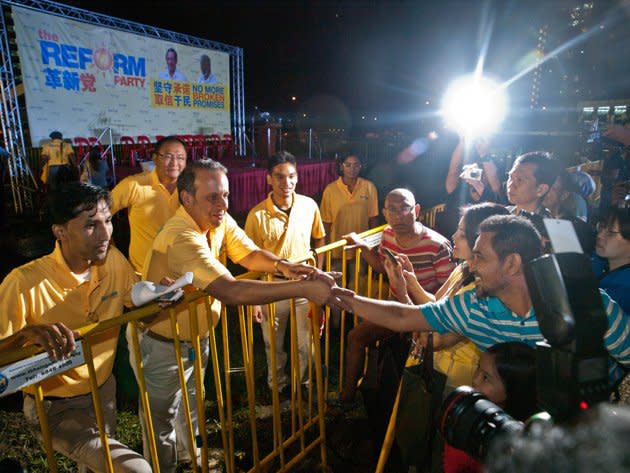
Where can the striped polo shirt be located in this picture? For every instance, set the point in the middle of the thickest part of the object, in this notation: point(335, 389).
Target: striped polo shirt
point(487, 321)
point(431, 256)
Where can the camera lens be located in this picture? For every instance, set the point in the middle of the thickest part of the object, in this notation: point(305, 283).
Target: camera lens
point(470, 422)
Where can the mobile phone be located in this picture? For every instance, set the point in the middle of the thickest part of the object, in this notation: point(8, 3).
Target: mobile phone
point(390, 254)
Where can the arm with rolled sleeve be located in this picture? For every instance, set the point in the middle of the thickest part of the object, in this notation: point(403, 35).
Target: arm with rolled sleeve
point(617, 337)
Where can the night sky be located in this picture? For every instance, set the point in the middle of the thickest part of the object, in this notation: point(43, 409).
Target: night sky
point(375, 57)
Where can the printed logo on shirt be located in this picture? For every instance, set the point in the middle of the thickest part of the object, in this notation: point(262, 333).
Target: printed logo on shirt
point(108, 296)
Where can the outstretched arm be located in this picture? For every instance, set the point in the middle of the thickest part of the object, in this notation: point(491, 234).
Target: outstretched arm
point(389, 314)
point(249, 292)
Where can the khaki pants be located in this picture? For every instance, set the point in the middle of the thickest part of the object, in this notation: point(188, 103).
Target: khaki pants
point(283, 312)
point(72, 424)
point(165, 398)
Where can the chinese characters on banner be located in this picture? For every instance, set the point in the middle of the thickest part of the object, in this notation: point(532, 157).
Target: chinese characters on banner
point(173, 94)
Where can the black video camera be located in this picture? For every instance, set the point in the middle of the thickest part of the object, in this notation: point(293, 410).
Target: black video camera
point(572, 371)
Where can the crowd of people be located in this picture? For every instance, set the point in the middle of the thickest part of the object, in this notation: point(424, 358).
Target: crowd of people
point(473, 294)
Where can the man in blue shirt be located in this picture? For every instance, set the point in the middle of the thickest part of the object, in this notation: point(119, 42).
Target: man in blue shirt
point(500, 308)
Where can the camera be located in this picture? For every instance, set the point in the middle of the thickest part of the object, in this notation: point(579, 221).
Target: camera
point(571, 363)
point(471, 171)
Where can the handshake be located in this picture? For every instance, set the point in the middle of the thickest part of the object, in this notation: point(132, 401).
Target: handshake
point(321, 288)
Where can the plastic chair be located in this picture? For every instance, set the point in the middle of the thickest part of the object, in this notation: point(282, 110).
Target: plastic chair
point(82, 147)
point(188, 142)
point(227, 143)
point(129, 149)
point(214, 147)
point(159, 137)
point(145, 147)
point(199, 148)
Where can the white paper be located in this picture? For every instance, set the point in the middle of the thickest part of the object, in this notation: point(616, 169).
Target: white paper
point(562, 236)
point(144, 292)
point(32, 370)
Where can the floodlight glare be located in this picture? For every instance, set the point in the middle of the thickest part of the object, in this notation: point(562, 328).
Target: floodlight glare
point(474, 105)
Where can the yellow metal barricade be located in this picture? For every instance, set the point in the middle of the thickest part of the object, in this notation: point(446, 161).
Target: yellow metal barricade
point(298, 428)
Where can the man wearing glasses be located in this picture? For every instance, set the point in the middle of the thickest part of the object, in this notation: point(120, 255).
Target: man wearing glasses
point(427, 252)
point(151, 197)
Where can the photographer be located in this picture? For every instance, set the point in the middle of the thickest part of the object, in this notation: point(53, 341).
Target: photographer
point(469, 185)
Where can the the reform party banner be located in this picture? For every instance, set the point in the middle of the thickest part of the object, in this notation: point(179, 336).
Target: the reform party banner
point(80, 79)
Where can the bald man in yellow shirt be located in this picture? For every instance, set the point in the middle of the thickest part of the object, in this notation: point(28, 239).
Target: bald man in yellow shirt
point(84, 280)
point(151, 197)
point(192, 240)
point(284, 223)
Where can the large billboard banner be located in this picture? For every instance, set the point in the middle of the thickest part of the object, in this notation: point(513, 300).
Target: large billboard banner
point(81, 79)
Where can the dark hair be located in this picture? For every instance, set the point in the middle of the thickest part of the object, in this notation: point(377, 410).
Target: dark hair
point(280, 157)
point(516, 365)
point(56, 135)
point(546, 168)
point(73, 198)
point(171, 50)
point(186, 179)
point(343, 158)
point(513, 234)
point(473, 215)
point(204, 56)
point(621, 216)
point(166, 140)
point(94, 157)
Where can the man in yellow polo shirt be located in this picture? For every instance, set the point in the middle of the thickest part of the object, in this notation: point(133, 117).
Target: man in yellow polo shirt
point(58, 156)
point(284, 224)
point(84, 280)
point(150, 197)
point(193, 240)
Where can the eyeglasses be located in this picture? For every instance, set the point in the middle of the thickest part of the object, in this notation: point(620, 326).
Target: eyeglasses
point(601, 227)
point(404, 210)
point(169, 157)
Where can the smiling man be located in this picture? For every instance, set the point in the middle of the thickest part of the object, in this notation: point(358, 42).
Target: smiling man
point(151, 197)
point(500, 308)
point(198, 238)
point(84, 280)
point(171, 72)
point(285, 223)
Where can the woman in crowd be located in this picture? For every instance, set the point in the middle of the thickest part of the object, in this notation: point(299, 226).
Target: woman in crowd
point(455, 356)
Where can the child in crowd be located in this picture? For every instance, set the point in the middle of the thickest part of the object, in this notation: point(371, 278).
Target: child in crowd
point(612, 263)
point(507, 377)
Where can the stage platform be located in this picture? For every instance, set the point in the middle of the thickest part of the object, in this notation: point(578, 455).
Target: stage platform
point(248, 184)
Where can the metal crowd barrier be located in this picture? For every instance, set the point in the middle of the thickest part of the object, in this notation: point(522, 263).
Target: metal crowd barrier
point(306, 416)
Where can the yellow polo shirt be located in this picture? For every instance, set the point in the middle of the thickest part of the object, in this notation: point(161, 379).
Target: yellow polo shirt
point(58, 152)
point(45, 291)
point(181, 246)
point(150, 206)
point(348, 211)
point(285, 235)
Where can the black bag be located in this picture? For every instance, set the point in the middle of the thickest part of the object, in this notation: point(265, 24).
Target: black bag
point(380, 385)
point(418, 406)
